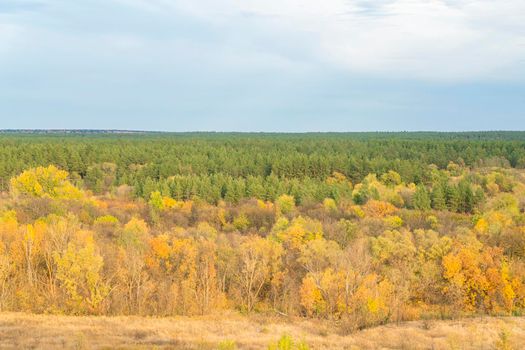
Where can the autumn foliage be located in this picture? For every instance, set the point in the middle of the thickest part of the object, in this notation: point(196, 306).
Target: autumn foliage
point(382, 253)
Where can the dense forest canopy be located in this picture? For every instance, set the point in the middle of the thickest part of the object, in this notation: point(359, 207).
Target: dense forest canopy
point(146, 160)
point(360, 228)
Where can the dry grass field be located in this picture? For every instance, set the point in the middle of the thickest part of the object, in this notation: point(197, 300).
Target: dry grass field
point(24, 331)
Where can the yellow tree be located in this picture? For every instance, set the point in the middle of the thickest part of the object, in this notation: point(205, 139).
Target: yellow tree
point(8, 235)
point(132, 277)
point(355, 264)
point(259, 260)
point(6, 268)
point(172, 260)
point(132, 280)
point(301, 230)
point(480, 280)
point(184, 275)
point(44, 182)
point(8, 227)
point(59, 232)
point(79, 272)
point(285, 204)
point(318, 257)
point(395, 253)
point(26, 250)
point(293, 236)
point(371, 303)
point(207, 291)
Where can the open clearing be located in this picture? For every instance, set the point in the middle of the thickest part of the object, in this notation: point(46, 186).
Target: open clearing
point(25, 331)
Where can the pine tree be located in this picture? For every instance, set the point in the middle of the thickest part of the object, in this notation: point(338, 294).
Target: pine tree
point(439, 201)
point(453, 198)
point(467, 197)
point(421, 198)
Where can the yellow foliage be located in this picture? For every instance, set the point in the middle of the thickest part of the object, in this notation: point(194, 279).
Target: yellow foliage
point(393, 246)
point(482, 277)
point(8, 226)
point(285, 204)
point(452, 267)
point(241, 222)
point(259, 262)
point(78, 270)
point(45, 182)
point(393, 222)
point(137, 226)
point(357, 211)
point(299, 231)
point(481, 226)
point(329, 205)
point(264, 205)
point(378, 209)
point(169, 203)
point(160, 246)
point(372, 299)
point(311, 298)
point(106, 219)
point(206, 230)
point(338, 178)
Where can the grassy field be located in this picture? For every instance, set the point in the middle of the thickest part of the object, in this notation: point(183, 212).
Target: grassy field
point(24, 331)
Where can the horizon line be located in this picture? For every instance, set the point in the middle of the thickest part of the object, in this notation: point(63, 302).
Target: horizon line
point(141, 131)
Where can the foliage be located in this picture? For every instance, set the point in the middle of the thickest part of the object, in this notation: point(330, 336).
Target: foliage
point(178, 225)
point(287, 343)
point(78, 271)
point(227, 345)
point(44, 182)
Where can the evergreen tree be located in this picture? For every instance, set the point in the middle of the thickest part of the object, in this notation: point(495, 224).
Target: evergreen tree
point(421, 198)
point(439, 201)
point(453, 198)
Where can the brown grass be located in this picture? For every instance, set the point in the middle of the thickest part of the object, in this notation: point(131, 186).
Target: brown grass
point(24, 331)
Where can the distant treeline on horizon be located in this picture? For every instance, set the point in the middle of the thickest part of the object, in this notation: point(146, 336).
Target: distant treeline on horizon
point(468, 135)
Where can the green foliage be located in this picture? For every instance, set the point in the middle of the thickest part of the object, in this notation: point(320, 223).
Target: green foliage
point(439, 200)
point(235, 166)
point(421, 199)
point(294, 224)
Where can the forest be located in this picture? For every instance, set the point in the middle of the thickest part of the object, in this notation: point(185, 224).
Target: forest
point(362, 228)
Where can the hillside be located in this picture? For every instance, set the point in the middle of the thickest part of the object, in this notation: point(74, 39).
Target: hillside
point(361, 233)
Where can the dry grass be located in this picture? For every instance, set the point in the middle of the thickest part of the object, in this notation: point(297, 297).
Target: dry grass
point(23, 331)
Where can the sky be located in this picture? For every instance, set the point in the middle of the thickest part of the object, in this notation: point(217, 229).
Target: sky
point(263, 65)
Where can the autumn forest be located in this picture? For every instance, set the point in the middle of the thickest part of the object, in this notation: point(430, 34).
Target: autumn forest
point(365, 229)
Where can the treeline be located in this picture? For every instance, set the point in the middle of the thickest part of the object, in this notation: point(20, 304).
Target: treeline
point(375, 253)
point(440, 193)
point(102, 162)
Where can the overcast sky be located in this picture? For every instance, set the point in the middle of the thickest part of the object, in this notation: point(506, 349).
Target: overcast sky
point(263, 65)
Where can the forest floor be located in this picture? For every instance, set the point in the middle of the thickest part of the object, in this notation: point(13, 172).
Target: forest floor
point(25, 331)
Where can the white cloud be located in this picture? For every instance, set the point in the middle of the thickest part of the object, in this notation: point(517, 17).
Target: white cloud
point(425, 40)
point(433, 39)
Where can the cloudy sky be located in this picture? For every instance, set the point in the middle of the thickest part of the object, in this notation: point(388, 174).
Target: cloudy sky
point(263, 65)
